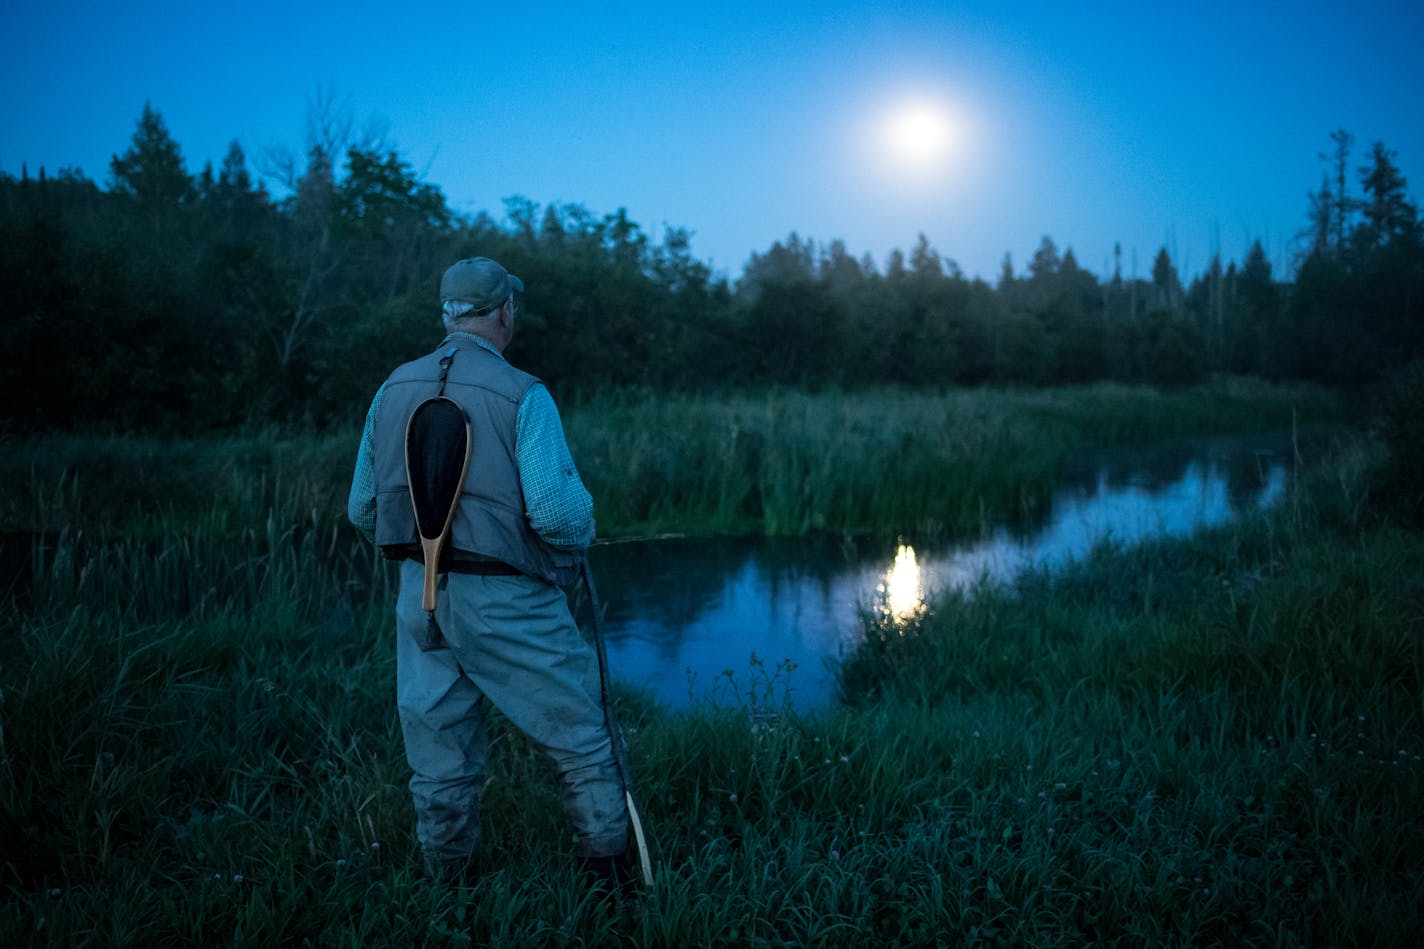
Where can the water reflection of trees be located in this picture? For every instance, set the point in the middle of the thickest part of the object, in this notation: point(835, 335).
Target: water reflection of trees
point(1242, 464)
point(658, 590)
point(667, 583)
point(666, 587)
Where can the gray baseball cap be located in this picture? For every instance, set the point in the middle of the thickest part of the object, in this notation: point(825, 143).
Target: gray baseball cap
point(479, 281)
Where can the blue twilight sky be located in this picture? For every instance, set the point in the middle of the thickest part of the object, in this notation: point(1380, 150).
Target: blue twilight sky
point(1195, 126)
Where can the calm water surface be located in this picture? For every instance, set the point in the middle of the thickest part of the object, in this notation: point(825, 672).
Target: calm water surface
point(689, 619)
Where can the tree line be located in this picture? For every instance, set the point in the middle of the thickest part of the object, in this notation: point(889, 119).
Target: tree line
point(176, 300)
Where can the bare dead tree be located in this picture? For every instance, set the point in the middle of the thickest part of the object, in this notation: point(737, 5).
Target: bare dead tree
point(332, 130)
point(1340, 160)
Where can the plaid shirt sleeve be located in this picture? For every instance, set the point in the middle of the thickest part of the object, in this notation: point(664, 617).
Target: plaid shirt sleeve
point(361, 502)
point(557, 504)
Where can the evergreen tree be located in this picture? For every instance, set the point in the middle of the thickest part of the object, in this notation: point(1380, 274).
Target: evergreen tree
point(842, 272)
point(1006, 272)
point(1045, 262)
point(925, 261)
point(1388, 265)
point(1167, 288)
point(1258, 312)
point(151, 170)
point(1387, 211)
point(1319, 216)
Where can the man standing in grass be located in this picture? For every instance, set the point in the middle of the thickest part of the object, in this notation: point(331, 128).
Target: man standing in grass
point(502, 627)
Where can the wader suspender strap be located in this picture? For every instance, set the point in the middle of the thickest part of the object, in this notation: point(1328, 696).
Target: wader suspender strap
point(445, 362)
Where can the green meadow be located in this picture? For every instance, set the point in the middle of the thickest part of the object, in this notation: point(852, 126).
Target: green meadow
point(1215, 740)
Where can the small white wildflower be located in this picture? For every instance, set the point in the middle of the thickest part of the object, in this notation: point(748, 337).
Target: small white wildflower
point(845, 759)
point(1051, 831)
point(976, 733)
point(237, 878)
point(732, 797)
point(55, 892)
point(835, 855)
point(1028, 767)
point(1061, 786)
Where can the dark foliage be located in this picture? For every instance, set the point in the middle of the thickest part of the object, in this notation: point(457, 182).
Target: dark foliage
point(1401, 482)
point(174, 301)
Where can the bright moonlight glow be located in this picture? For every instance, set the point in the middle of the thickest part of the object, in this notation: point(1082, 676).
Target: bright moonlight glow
point(920, 136)
point(903, 587)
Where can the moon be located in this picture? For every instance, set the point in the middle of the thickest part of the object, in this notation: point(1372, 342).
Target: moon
point(920, 136)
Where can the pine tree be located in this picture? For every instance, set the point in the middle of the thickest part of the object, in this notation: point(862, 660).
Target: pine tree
point(1045, 262)
point(1321, 212)
point(152, 169)
point(1387, 211)
point(1166, 285)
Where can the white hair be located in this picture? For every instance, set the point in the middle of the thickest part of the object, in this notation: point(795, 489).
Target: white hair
point(455, 312)
point(455, 309)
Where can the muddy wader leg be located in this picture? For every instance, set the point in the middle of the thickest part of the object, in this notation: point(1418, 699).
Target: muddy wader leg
point(443, 724)
point(512, 640)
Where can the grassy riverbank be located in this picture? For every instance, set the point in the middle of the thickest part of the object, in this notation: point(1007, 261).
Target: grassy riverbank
point(1211, 740)
point(782, 464)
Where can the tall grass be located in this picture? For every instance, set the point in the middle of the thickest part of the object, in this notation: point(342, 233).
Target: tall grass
point(1217, 739)
point(789, 463)
point(781, 463)
point(1213, 740)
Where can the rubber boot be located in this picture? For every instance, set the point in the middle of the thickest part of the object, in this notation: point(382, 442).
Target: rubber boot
point(453, 873)
point(614, 876)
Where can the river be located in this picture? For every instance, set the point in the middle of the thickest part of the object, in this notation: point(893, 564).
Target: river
point(696, 620)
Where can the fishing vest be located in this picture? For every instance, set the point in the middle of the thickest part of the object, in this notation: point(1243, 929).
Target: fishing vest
point(490, 521)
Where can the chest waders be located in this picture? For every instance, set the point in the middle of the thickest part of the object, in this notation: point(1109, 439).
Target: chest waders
point(438, 441)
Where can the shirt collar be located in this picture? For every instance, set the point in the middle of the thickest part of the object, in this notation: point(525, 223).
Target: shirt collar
point(472, 338)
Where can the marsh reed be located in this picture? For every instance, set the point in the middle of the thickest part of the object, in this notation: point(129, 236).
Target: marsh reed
point(1209, 740)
